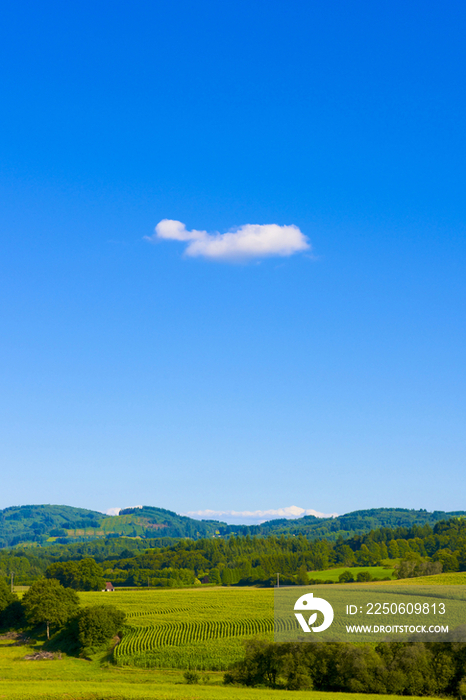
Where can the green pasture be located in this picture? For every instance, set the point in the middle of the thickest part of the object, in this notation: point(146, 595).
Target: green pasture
point(167, 630)
point(378, 572)
point(457, 578)
point(363, 604)
point(188, 628)
point(205, 628)
point(78, 679)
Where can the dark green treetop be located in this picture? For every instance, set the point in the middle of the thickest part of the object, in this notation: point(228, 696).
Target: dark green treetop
point(97, 625)
point(84, 575)
point(48, 602)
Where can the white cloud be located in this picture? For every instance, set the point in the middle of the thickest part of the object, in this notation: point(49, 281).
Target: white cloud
point(246, 242)
point(116, 511)
point(247, 517)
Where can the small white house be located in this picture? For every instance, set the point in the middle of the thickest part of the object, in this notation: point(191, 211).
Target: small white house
point(108, 588)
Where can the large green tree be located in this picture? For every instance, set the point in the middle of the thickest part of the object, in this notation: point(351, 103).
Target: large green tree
point(6, 596)
point(302, 577)
point(84, 575)
point(48, 602)
point(98, 624)
point(11, 611)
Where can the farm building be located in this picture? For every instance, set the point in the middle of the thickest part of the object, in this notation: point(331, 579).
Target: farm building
point(108, 588)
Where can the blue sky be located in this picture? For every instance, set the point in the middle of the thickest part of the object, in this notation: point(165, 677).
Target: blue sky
point(329, 375)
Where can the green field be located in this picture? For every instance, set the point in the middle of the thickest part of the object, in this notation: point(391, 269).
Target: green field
point(457, 578)
point(188, 628)
point(77, 679)
point(205, 629)
point(378, 572)
point(166, 629)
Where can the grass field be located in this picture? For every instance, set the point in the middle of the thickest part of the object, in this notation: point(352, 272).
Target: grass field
point(197, 628)
point(205, 629)
point(378, 572)
point(188, 628)
point(78, 679)
point(457, 578)
point(376, 610)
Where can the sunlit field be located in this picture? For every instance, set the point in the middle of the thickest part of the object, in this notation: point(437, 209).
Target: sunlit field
point(79, 679)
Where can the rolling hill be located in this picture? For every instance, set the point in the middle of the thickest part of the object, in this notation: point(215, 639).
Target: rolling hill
point(46, 524)
point(39, 524)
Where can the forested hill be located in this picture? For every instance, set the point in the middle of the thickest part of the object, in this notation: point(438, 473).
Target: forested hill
point(45, 524)
point(413, 551)
point(36, 523)
point(48, 524)
point(355, 523)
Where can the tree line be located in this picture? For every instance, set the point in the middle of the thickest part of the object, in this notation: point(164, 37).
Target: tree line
point(395, 668)
point(50, 607)
point(39, 524)
point(256, 560)
point(245, 560)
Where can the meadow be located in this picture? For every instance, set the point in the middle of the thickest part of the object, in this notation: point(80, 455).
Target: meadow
point(205, 628)
point(167, 631)
point(454, 578)
point(79, 679)
point(188, 628)
point(377, 572)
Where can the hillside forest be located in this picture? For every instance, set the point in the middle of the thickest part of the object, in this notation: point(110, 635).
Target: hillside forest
point(42, 525)
point(237, 559)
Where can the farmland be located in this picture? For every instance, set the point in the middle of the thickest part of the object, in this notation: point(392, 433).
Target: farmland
point(202, 629)
point(166, 632)
point(205, 629)
point(377, 572)
point(454, 578)
point(78, 679)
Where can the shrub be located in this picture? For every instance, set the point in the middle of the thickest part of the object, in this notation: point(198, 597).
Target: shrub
point(97, 624)
point(9, 606)
point(12, 616)
point(401, 668)
point(346, 577)
point(363, 576)
point(191, 677)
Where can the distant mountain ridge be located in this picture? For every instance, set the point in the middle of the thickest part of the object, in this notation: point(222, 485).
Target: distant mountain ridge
point(47, 524)
point(356, 523)
point(23, 525)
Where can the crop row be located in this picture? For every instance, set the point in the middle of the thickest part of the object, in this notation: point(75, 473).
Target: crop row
point(155, 637)
point(145, 612)
point(214, 655)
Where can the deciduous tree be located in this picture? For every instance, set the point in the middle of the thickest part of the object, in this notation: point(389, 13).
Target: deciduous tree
point(48, 602)
point(98, 624)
